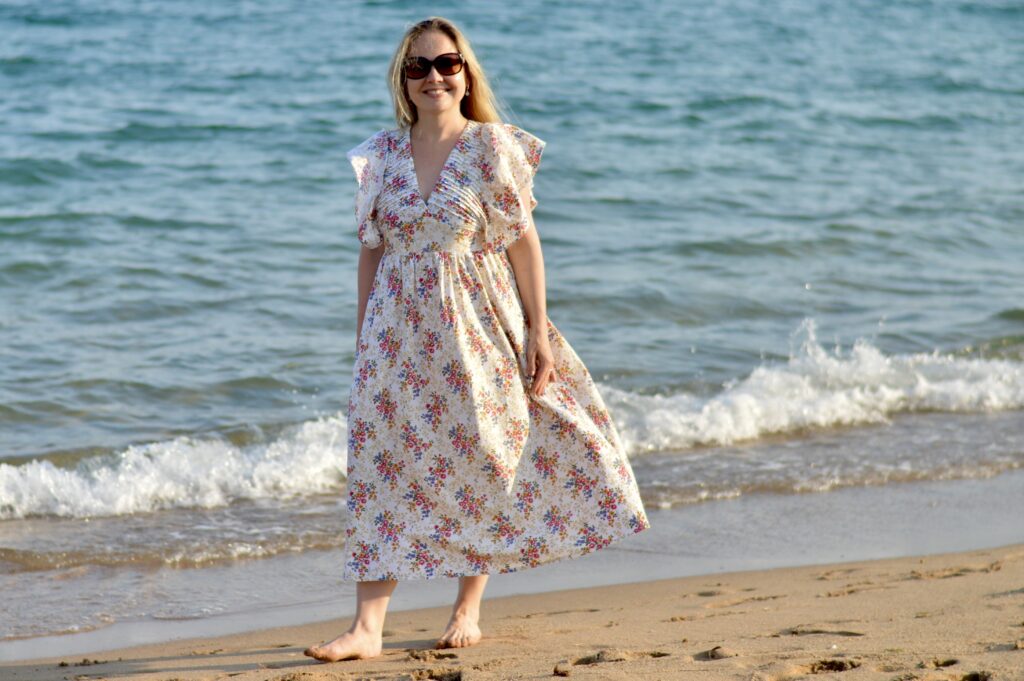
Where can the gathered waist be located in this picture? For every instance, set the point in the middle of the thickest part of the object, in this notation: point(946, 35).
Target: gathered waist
point(439, 254)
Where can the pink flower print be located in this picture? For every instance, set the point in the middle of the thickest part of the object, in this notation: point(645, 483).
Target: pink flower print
point(532, 551)
point(431, 343)
point(503, 528)
point(419, 499)
point(477, 343)
point(591, 540)
point(481, 562)
point(516, 432)
point(639, 522)
point(469, 283)
point(622, 469)
point(506, 198)
point(470, 503)
point(489, 409)
point(506, 373)
point(437, 406)
point(398, 183)
point(423, 558)
point(609, 503)
point(366, 371)
point(394, 283)
point(527, 495)
point(449, 314)
point(440, 470)
point(445, 529)
point(498, 470)
point(544, 462)
point(465, 444)
point(413, 316)
point(359, 493)
point(486, 171)
point(405, 232)
point(364, 556)
point(411, 378)
point(578, 483)
point(460, 178)
point(413, 442)
point(599, 416)
point(503, 287)
point(391, 220)
point(388, 469)
point(556, 521)
point(564, 428)
point(364, 227)
point(390, 344)
point(427, 281)
point(387, 528)
point(457, 378)
point(563, 396)
point(386, 407)
point(359, 433)
point(592, 448)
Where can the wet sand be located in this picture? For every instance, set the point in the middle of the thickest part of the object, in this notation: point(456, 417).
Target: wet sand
point(953, 616)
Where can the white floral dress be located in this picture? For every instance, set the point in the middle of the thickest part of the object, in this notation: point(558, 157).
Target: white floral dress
point(454, 468)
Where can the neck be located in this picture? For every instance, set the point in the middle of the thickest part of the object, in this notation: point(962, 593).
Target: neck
point(440, 127)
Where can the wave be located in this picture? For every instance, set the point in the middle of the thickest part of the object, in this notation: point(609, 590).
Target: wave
point(181, 473)
point(818, 389)
point(815, 389)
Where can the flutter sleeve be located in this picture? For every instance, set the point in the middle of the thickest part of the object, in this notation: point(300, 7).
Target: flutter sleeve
point(511, 158)
point(368, 159)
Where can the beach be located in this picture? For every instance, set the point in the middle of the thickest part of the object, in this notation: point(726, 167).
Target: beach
point(789, 257)
point(953, 616)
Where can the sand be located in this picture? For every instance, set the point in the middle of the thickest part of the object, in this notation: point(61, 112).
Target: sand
point(954, 616)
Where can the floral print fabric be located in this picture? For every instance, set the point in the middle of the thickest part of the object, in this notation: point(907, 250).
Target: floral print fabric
point(454, 468)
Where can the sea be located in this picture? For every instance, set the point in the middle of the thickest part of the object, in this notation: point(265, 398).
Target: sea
point(787, 240)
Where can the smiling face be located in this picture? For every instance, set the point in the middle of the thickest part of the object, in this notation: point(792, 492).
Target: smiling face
point(435, 94)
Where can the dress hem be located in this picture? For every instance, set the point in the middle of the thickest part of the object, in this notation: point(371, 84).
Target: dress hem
point(520, 566)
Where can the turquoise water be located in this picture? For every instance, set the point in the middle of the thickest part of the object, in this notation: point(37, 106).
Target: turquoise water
point(785, 239)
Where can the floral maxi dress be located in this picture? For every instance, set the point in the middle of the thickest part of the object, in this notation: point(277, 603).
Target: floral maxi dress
point(454, 468)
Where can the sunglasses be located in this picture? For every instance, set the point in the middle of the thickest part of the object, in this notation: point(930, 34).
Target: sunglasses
point(447, 65)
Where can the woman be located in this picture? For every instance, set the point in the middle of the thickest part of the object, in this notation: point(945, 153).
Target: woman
point(478, 442)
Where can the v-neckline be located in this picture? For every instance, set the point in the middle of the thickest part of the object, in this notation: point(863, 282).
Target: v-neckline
point(444, 166)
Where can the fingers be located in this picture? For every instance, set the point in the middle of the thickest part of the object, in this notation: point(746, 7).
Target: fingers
point(542, 378)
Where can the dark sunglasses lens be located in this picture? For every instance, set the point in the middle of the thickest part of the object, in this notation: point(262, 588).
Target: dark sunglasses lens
point(448, 65)
point(417, 68)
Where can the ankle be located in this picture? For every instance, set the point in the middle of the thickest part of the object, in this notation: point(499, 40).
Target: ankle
point(467, 611)
point(367, 628)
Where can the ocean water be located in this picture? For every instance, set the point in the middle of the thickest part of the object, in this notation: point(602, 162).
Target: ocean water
point(787, 240)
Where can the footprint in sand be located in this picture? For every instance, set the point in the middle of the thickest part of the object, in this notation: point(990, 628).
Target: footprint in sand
point(945, 573)
point(716, 653)
point(826, 666)
point(740, 601)
point(616, 655)
point(801, 630)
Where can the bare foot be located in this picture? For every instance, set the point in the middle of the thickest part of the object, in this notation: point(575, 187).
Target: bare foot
point(352, 645)
point(462, 631)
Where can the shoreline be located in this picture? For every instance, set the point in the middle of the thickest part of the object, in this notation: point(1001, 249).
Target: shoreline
point(940, 616)
point(755, 532)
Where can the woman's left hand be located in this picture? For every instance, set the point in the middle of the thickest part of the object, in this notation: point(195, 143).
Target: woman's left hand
point(540, 361)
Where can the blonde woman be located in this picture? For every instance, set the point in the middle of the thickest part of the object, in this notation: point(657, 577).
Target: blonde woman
point(478, 442)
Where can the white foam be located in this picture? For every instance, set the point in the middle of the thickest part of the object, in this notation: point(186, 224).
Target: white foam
point(184, 472)
point(815, 389)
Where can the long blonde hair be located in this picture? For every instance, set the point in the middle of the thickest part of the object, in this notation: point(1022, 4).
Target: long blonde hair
point(481, 104)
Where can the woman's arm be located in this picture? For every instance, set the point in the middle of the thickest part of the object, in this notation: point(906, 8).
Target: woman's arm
point(528, 265)
point(369, 259)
